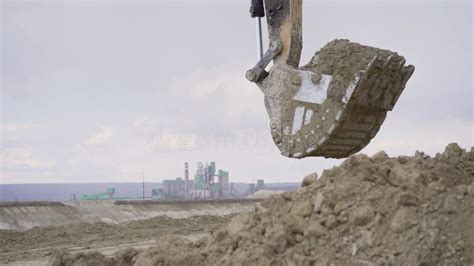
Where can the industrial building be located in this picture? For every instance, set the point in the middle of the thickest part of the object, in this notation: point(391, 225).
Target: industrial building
point(208, 183)
point(176, 188)
point(109, 194)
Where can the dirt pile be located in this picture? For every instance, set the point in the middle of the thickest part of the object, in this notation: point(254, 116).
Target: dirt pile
point(374, 210)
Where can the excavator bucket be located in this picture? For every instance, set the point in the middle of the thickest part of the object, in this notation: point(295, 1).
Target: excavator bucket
point(333, 106)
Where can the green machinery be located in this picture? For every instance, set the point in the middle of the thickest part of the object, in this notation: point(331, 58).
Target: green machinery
point(157, 193)
point(99, 196)
point(222, 174)
point(204, 179)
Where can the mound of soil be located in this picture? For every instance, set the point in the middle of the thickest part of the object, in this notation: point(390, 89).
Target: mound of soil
point(408, 210)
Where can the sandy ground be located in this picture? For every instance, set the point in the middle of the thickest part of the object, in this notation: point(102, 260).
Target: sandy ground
point(378, 210)
point(35, 246)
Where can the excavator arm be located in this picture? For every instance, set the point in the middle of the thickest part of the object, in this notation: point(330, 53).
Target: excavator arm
point(284, 20)
point(334, 105)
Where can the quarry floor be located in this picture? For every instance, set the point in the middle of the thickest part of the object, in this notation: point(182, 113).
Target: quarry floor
point(33, 245)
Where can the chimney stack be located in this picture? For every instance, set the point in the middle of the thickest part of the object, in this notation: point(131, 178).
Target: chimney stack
point(186, 181)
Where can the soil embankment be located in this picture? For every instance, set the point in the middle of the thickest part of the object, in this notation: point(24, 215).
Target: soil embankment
point(407, 210)
point(26, 215)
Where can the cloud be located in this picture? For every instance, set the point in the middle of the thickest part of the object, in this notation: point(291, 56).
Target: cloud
point(144, 124)
point(400, 135)
point(16, 127)
point(104, 135)
point(221, 93)
point(159, 139)
point(21, 158)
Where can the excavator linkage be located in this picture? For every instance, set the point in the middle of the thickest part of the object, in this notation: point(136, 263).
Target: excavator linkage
point(333, 106)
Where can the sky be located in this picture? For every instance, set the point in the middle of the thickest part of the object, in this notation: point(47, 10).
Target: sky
point(108, 91)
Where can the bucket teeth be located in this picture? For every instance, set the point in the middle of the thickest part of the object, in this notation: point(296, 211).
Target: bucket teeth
point(335, 105)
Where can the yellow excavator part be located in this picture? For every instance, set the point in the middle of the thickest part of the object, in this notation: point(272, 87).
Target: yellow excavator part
point(334, 105)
